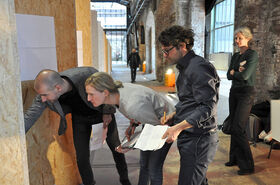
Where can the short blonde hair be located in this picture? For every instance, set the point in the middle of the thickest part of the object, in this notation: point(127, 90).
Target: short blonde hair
point(244, 31)
point(103, 81)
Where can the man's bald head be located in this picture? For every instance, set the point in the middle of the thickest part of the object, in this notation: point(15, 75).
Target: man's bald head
point(48, 78)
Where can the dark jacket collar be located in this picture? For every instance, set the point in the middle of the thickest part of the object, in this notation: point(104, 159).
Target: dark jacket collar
point(185, 60)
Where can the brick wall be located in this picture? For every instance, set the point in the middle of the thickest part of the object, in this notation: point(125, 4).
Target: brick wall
point(187, 13)
point(263, 17)
point(165, 16)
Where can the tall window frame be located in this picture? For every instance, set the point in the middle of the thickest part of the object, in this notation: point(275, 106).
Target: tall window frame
point(113, 19)
point(222, 27)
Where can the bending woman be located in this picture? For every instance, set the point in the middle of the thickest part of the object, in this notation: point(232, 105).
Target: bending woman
point(140, 105)
point(242, 72)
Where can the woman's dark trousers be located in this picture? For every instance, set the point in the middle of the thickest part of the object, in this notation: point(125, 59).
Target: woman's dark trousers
point(240, 104)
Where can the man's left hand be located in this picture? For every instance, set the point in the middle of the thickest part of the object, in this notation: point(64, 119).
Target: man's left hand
point(171, 134)
point(107, 118)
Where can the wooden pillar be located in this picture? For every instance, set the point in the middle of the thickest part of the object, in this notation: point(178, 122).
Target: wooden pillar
point(13, 159)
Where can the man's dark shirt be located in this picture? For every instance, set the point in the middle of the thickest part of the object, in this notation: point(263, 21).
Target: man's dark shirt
point(198, 86)
point(77, 77)
point(73, 102)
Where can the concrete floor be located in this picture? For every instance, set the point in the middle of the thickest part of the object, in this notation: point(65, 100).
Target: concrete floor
point(267, 170)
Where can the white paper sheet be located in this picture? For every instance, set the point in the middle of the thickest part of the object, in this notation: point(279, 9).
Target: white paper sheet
point(36, 44)
point(150, 138)
point(98, 136)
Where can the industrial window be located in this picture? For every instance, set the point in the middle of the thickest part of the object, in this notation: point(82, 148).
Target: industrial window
point(222, 26)
point(113, 20)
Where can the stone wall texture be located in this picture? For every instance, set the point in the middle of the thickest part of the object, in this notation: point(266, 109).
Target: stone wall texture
point(263, 17)
point(187, 13)
point(165, 16)
point(147, 50)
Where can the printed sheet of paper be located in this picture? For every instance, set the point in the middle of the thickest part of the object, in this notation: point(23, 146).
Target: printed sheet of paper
point(150, 138)
point(98, 136)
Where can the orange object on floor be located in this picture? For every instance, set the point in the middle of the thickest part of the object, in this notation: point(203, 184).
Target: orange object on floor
point(169, 79)
point(144, 67)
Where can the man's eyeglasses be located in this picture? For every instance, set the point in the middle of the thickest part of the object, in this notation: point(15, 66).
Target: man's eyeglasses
point(166, 51)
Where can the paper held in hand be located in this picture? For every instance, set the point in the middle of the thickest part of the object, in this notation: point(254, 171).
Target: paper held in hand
point(98, 136)
point(148, 139)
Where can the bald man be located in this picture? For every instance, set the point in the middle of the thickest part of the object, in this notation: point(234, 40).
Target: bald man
point(65, 93)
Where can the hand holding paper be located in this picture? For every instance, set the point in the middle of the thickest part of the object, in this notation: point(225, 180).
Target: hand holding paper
point(99, 135)
point(147, 139)
point(131, 129)
point(172, 133)
point(151, 137)
point(120, 149)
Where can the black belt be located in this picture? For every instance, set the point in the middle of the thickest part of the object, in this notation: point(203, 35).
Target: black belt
point(209, 132)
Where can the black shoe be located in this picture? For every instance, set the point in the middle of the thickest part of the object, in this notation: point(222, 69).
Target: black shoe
point(245, 172)
point(230, 163)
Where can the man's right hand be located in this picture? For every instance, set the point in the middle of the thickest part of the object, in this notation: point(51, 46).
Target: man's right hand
point(168, 119)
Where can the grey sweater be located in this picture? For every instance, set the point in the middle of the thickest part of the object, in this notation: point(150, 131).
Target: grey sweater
point(143, 104)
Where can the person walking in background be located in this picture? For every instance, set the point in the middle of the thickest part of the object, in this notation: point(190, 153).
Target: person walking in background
point(195, 118)
point(64, 93)
point(139, 104)
point(242, 72)
point(133, 61)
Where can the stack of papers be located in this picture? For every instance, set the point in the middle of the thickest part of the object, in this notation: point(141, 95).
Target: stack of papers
point(150, 138)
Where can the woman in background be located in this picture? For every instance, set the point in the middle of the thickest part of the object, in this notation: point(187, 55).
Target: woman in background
point(242, 72)
point(139, 104)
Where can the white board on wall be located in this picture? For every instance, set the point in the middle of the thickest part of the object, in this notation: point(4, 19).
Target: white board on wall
point(80, 48)
point(275, 119)
point(36, 44)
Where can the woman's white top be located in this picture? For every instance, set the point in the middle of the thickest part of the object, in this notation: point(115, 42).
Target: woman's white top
point(143, 104)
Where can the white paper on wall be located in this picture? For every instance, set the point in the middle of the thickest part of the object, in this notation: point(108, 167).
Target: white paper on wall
point(36, 44)
point(275, 117)
point(80, 48)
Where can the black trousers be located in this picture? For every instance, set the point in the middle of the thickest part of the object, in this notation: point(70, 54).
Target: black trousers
point(133, 73)
point(196, 153)
point(81, 134)
point(240, 104)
